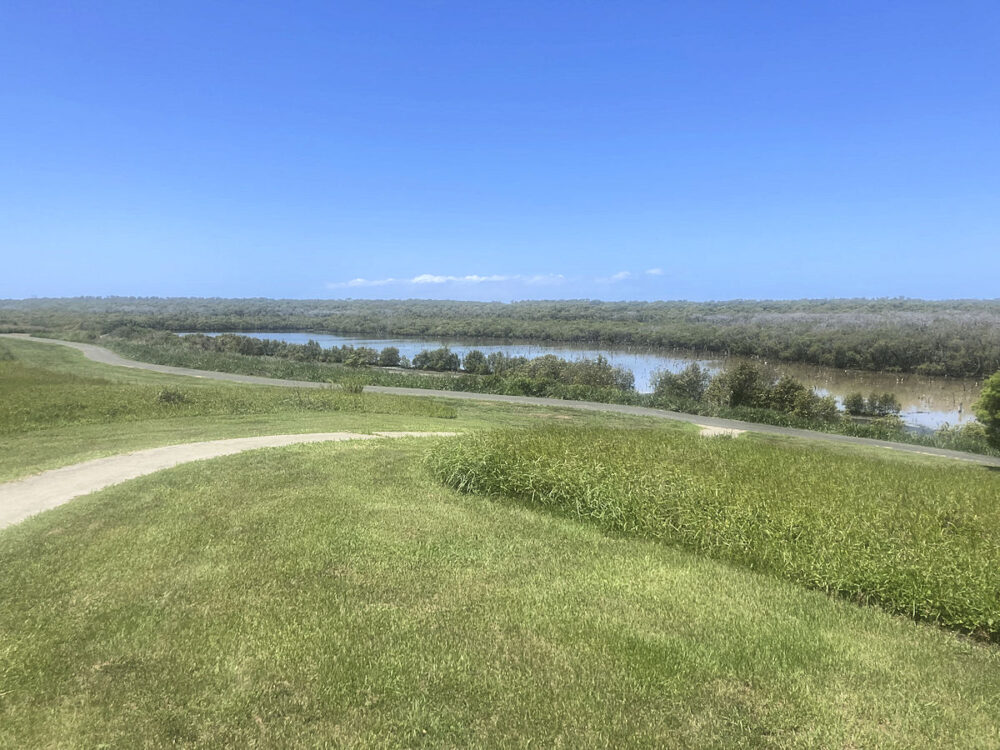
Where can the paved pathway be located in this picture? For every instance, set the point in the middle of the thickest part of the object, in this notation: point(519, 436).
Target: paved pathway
point(26, 497)
point(100, 354)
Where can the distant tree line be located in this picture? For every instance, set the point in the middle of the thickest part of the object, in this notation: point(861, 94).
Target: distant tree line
point(955, 338)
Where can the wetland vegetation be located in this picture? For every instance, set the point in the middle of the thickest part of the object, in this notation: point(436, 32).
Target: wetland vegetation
point(759, 396)
point(957, 338)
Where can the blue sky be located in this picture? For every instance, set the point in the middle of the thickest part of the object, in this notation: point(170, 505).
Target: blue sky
point(514, 150)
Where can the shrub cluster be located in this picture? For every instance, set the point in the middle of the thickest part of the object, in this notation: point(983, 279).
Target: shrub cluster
point(597, 373)
point(876, 405)
point(920, 541)
point(747, 387)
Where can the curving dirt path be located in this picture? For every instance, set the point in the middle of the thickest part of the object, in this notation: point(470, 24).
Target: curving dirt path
point(26, 497)
point(105, 356)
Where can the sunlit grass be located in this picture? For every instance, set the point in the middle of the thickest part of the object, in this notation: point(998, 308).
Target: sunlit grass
point(37, 398)
point(58, 408)
point(335, 595)
point(920, 540)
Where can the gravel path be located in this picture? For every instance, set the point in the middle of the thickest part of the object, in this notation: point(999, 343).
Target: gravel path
point(100, 354)
point(26, 497)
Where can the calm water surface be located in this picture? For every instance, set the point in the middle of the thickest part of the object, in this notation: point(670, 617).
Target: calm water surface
point(927, 402)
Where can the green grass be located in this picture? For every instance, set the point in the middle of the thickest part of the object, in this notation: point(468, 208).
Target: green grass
point(918, 540)
point(36, 398)
point(58, 408)
point(336, 595)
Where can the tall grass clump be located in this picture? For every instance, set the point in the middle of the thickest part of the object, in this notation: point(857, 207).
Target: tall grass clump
point(352, 383)
point(920, 540)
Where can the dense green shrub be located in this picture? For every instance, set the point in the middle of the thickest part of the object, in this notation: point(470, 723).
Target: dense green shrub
point(919, 540)
point(752, 386)
point(682, 389)
point(361, 356)
point(855, 404)
point(441, 360)
point(389, 357)
point(745, 384)
point(876, 405)
point(988, 409)
point(475, 362)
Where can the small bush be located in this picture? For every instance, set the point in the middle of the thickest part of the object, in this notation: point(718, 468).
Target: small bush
point(353, 383)
point(389, 357)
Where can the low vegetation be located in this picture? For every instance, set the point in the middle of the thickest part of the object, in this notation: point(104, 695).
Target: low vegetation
point(337, 596)
point(749, 391)
point(919, 541)
point(60, 408)
point(37, 398)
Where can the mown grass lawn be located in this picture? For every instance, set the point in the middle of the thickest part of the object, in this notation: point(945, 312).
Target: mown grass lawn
point(336, 595)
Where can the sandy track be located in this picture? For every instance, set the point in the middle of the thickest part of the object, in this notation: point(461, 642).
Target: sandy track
point(26, 497)
point(105, 356)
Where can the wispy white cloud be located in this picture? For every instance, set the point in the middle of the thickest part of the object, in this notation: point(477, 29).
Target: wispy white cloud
point(430, 278)
point(615, 277)
point(543, 278)
point(363, 282)
point(437, 279)
point(473, 279)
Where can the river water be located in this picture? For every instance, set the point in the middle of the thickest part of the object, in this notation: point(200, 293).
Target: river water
point(928, 402)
